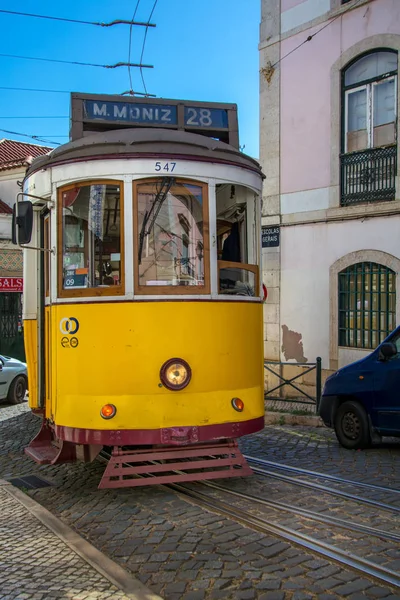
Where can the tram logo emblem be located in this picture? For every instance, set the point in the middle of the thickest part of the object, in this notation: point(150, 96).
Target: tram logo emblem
point(69, 325)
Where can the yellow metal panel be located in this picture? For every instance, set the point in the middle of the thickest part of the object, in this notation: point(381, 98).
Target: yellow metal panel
point(113, 353)
point(31, 353)
point(153, 412)
point(47, 354)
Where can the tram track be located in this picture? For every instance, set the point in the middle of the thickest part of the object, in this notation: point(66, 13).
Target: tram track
point(344, 557)
point(328, 551)
point(327, 476)
point(325, 519)
point(323, 488)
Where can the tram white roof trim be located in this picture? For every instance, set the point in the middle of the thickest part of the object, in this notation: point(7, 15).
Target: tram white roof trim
point(145, 142)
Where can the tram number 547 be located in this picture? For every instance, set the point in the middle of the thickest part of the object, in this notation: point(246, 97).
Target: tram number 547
point(169, 166)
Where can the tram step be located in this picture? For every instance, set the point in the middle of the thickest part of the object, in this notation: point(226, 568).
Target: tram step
point(45, 449)
point(44, 455)
point(133, 468)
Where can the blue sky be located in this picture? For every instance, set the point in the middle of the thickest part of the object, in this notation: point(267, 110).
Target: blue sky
point(201, 50)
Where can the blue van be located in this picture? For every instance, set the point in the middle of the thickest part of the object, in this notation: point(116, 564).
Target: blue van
point(362, 400)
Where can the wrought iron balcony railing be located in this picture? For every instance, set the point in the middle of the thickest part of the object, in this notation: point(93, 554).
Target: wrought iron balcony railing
point(368, 176)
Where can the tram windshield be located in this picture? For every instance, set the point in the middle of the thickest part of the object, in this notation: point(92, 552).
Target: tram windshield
point(170, 233)
point(170, 238)
point(91, 234)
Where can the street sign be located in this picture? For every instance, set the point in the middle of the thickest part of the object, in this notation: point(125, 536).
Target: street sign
point(270, 237)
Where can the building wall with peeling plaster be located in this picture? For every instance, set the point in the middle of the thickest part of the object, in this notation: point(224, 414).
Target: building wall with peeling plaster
point(300, 129)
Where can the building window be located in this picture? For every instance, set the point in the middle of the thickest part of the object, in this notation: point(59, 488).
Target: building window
point(367, 305)
point(369, 128)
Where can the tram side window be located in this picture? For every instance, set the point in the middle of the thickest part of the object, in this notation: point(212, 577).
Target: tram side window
point(236, 235)
point(91, 236)
point(170, 237)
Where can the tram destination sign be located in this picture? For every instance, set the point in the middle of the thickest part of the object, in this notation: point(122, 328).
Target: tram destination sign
point(155, 114)
point(270, 237)
point(91, 113)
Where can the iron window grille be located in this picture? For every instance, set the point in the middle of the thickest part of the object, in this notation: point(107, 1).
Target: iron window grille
point(369, 175)
point(367, 305)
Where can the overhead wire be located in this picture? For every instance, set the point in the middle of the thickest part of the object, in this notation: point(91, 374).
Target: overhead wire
point(98, 24)
point(142, 52)
point(130, 46)
point(73, 62)
point(310, 37)
point(34, 137)
point(129, 65)
point(120, 64)
point(144, 43)
point(18, 89)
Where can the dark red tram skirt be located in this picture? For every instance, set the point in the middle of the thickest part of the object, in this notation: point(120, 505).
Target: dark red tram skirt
point(169, 435)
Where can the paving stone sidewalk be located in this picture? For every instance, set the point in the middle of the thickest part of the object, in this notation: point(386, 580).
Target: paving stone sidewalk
point(35, 564)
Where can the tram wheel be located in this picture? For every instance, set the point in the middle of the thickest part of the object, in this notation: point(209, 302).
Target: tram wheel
point(351, 426)
point(17, 391)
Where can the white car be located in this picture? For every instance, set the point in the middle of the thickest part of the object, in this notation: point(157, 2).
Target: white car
point(13, 380)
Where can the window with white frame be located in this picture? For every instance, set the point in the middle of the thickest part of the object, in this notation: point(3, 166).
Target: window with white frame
point(370, 99)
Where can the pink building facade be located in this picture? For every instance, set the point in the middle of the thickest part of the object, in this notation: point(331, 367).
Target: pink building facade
point(329, 107)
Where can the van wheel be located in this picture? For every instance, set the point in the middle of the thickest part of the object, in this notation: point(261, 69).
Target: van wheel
point(16, 393)
point(351, 426)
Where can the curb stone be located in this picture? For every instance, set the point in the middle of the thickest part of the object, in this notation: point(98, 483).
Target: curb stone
point(285, 418)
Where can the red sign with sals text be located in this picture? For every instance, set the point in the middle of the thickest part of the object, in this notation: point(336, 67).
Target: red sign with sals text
point(11, 284)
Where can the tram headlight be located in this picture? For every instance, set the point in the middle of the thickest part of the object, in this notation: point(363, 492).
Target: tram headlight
point(175, 374)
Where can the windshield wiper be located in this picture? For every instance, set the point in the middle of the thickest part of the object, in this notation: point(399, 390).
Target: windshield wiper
point(152, 214)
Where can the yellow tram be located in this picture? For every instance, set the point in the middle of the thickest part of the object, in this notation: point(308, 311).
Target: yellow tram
point(142, 291)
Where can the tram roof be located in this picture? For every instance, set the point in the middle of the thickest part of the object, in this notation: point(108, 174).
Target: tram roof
point(131, 143)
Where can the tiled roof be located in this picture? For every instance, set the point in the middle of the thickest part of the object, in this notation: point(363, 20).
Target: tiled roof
point(15, 154)
point(5, 209)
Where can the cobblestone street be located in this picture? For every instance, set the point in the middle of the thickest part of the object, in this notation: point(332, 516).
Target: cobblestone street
point(37, 564)
point(180, 550)
point(317, 448)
